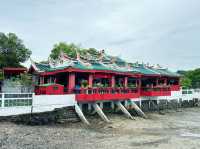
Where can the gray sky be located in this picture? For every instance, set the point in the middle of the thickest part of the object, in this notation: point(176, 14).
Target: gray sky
point(156, 31)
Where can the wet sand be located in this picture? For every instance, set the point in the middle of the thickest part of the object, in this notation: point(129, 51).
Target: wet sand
point(174, 130)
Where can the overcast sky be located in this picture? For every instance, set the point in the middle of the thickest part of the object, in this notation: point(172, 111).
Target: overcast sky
point(155, 31)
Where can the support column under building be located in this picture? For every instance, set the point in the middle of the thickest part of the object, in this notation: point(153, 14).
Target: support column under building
point(100, 112)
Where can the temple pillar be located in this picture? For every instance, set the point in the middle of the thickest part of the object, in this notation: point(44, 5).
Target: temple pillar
point(71, 82)
point(139, 83)
point(113, 81)
point(90, 80)
point(126, 82)
point(55, 80)
point(165, 81)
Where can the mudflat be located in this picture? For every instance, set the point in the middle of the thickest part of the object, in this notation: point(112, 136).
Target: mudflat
point(171, 130)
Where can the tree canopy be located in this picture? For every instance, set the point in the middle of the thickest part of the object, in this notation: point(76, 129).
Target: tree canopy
point(12, 51)
point(71, 50)
point(191, 78)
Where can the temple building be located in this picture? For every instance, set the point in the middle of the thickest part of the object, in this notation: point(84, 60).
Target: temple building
point(102, 78)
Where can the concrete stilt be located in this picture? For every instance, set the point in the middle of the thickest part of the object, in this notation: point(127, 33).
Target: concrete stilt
point(100, 112)
point(138, 110)
point(81, 115)
point(80, 106)
point(155, 106)
point(89, 107)
point(112, 105)
point(126, 104)
point(123, 109)
point(149, 104)
point(140, 103)
point(101, 105)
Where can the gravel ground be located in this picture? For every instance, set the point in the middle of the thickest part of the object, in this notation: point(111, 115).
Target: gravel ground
point(174, 130)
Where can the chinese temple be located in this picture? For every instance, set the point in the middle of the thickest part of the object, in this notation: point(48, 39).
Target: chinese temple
point(102, 78)
point(94, 83)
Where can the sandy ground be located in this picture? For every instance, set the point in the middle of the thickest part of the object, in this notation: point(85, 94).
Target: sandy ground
point(174, 130)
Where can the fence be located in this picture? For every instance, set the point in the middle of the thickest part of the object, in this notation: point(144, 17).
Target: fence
point(16, 99)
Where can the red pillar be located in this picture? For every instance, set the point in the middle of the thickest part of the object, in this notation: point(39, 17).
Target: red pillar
point(165, 81)
point(126, 82)
point(90, 80)
point(113, 81)
point(139, 83)
point(71, 82)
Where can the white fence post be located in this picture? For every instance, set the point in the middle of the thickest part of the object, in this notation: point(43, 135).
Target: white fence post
point(2, 100)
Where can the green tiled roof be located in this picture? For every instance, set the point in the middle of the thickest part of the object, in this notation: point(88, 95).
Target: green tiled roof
point(78, 65)
point(146, 71)
point(42, 67)
point(116, 67)
point(98, 66)
point(166, 72)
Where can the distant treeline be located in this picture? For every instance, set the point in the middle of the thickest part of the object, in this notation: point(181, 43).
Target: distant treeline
point(190, 79)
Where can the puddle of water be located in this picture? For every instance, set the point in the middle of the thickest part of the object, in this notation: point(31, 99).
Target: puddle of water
point(188, 134)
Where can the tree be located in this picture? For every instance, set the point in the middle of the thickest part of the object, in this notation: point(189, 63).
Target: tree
point(93, 52)
point(1, 75)
point(186, 82)
point(25, 79)
point(69, 49)
point(191, 78)
point(12, 51)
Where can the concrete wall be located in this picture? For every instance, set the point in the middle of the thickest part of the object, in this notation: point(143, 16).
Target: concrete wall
point(43, 103)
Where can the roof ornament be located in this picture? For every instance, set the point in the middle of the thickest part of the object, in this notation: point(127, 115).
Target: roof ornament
point(52, 62)
point(158, 66)
point(113, 60)
point(82, 60)
point(128, 66)
point(77, 55)
point(33, 65)
point(62, 60)
point(102, 53)
point(148, 64)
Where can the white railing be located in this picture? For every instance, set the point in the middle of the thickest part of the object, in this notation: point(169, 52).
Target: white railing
point(26, 103)
point(190, 94)
point(16, 99)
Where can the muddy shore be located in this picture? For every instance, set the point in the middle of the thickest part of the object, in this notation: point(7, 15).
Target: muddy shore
point(174, 130)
